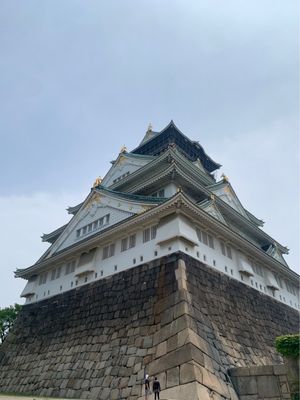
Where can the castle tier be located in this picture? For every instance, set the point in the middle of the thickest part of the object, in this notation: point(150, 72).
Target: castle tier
point(158, 199)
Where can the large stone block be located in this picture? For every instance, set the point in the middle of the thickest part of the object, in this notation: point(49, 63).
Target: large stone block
point(173, 377)
point(268, 386)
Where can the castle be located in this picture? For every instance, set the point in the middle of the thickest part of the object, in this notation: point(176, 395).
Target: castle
point(160, 271)
point(160, 198)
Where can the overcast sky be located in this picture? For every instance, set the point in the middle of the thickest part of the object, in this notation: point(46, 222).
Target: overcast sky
point(78, 79)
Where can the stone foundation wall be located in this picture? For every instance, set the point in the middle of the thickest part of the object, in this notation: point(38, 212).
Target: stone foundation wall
point(174, 318)
point(267, 382)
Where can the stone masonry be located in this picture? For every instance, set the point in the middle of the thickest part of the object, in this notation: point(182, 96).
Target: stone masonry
point(174, 318)
point(267, 382)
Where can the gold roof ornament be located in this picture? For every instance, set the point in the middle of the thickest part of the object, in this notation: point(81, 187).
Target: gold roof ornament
point(123, 149)
point(225, 178)
point(97, 181)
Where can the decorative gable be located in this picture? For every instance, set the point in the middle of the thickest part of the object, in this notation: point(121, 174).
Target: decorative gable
point(228, 195)
point(100, 210)
point(123, 166)
point(274, 252)
point(211, 208)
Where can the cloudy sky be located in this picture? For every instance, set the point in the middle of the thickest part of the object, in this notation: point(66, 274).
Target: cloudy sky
point(78, 79)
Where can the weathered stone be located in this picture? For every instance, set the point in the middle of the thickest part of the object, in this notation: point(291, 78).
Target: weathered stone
point(173, 377)
point(246, 385)
point(268, 386)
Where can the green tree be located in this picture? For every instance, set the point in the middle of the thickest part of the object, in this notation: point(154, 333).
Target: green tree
point(7, 319)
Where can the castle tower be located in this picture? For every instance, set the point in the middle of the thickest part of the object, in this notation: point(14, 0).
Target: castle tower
point(161, 270)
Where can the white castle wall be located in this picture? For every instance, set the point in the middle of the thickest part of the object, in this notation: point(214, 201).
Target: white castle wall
point(173, 234)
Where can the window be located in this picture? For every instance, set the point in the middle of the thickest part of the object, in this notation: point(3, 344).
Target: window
point(58, 271)
point(124, 244)
point(96, 275)
point(70, 267)
point(149, 233)
point(121, 177)
point(210, 241)
point(278, 280)
point(101, 272)
point(108, 251)
point(205, 238)
point(53, 274)
point(85, 279)
point(141, 258)
point(146, 235)
point(226, 269)
point(153, 231)
point(258, 269)
point(214, 263)
point(155, 253)
point(132, 241)
point(128, 242)
point(43, 278)
point(223, 248)
point(226, 250)
point(116, 267)
point(290, 288)
point(91, 227)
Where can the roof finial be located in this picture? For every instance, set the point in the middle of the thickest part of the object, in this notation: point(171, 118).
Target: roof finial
point(97, 181)
point(212, 197)
point(149, 127)
point(123, 149)
point(225, 178)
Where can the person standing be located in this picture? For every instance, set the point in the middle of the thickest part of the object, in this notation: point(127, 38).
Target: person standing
point(156, 388)
point(147, 387)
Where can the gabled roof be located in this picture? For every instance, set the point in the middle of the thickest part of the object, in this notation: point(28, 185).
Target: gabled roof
point(211, 208)
point(224, 190)
point(170, 157)
point(172, 163)
point(157, 143)
point(125, 164)
point(274, 252)
point(52, 236)
point(143, 202)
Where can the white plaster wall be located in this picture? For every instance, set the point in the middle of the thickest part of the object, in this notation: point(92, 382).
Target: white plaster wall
point(86, 217)
point(126, 164)
point(145, 252)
